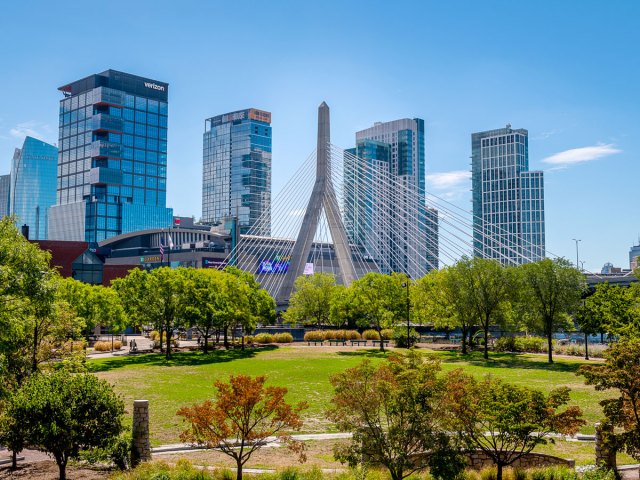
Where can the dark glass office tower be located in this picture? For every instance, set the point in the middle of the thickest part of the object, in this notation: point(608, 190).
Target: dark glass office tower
point(236, 178)
point(33, 185)
point(385, 199)
point(112, 161)
point(5, 184)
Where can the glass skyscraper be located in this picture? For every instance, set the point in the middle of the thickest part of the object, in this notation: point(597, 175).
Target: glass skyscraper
point(385, 201)
point(236, 177)
point(112, 164)
point(508, 199)
point(32, 187)
point(5, 185)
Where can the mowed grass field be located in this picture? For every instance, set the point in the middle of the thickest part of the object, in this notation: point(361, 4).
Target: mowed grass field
point(305, 371)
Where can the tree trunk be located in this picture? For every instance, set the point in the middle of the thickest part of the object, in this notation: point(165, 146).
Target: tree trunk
point(205, 347)
point(586, 346)
point(239, 469)
point(381, 341)
point(226, 338)
point(486, 340)
point(550, 346)
point(168, 355)
point(464, 341)
point(499, 473)
point(62, 467)
point(161, 335)
point(14, 460)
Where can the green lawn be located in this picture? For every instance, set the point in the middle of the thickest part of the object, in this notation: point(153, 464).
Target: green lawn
point(188, 378)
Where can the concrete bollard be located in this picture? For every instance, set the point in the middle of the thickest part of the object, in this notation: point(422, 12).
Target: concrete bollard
point(605, 455)
point(140, 448)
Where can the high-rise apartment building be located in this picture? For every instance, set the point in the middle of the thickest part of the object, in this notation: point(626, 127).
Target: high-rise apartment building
point(634, 256)
point(112, 163)
point(384, 198)
point(508, 199)
point(236, 179)
point(5, 185)
point(32, 185)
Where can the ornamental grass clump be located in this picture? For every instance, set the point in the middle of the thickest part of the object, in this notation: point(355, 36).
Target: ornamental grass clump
point(284, 337)
point(263, 338)
point(314, 336)
point(106, 346)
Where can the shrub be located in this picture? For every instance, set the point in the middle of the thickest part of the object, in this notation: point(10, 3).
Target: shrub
point(599, 474)
point(248, 339)
point(400, 337)
point(370, 335)
point(174, 341)
point(333, 335)
point(106, 346)
point(154, 335)
point(531, 344)
point(506, 344)
point(284, 337)
point(387, 333)
point(263, 338)
point(315, 335)
point(352, 335)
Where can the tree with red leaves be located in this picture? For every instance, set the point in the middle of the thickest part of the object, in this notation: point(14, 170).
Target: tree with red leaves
point(243, 415)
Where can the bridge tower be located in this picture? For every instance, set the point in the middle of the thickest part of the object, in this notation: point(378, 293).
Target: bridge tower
point(323, 197)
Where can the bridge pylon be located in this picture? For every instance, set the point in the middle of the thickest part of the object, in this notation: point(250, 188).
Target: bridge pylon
point(323, 197)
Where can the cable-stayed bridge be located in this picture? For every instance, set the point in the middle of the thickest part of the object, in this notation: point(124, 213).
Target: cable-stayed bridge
point(347, 215)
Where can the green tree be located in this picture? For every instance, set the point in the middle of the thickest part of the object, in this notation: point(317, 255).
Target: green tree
point(394, 411)
point(156, 298)
point(206, 301)
point(506, 421)
point(550, 290)
point(94, 304)
point(311, 300)
point(380, 301)
point(436, 297)
point(63, 414)
point(140, 297)
point(249, 304)
point(615, 309)
point(621, 372)
point(485, 289)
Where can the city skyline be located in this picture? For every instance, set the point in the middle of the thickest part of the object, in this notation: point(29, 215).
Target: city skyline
point(572, 87)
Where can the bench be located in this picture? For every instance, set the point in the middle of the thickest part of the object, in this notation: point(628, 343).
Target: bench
point(337, 342)
point(377, 342)
point(315, 342)
point(140, 350)
point(358, 342)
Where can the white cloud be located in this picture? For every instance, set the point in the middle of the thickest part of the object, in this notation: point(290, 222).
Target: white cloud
point(31, 129)
point(448, 180)
point(581, 155)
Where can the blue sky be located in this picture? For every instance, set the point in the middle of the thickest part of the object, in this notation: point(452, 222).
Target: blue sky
point(567, 71)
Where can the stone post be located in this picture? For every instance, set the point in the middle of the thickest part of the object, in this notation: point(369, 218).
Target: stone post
point(140, 448)
point(605, 453)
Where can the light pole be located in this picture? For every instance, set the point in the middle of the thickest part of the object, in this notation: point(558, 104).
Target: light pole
point(406, 284)
point(577, 240)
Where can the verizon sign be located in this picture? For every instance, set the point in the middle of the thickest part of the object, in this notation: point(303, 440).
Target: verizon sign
point(154, 86)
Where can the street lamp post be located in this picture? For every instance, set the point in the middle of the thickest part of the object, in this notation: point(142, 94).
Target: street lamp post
point(577, 240)
point(406, 284)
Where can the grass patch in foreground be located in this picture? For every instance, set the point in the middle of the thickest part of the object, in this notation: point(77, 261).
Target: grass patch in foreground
point(305, 371)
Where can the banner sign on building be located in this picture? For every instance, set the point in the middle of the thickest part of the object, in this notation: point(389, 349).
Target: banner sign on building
point(279, 264)
point(308, 269)
point(218, 263)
